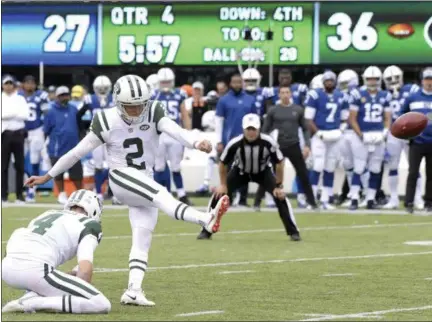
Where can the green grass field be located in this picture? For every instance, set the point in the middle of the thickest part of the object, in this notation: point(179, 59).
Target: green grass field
point(348, 267)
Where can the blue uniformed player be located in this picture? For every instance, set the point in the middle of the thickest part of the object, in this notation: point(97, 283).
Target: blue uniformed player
point(326, 109)
point(420, 146)
point(170, 149)
point(393, 79)
point(100, 100)
point(370, 118)
point(37, 101)
point(298, 90)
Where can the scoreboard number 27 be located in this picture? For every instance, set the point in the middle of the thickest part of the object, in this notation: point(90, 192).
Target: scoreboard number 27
point(59, 25)
point(361, 37)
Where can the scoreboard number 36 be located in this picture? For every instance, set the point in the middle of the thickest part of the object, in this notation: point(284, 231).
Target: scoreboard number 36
point(362, 37)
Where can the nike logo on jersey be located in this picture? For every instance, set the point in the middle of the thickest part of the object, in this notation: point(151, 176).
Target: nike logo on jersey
point(132, 297)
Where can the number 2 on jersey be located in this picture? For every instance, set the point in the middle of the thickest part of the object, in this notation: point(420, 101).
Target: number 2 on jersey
point(45, 223)
point(134, 155)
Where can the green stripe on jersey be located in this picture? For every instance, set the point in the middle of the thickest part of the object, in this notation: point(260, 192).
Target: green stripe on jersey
point(91, 227)
point(137, 182)
point(96, 127)
point(129, 188)
point(104, 119)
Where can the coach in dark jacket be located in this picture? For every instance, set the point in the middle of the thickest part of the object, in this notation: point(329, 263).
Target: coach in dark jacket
point(286, 118)
point(61, 126)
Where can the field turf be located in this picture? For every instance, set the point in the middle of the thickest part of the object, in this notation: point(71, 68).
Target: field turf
point(348, 267)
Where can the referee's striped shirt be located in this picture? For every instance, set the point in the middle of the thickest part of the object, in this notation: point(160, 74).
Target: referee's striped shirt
point(252, 157)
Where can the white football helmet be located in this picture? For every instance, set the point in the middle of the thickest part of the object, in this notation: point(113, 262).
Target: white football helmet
point(153, 81)
point(87, 200)
point(131, 91)
point(393, 78)
point(251, 79)
point(372, 78)
point(166, 79)
point(102, 85)
point(316, 82)
point(208, 121)
point(347, 79)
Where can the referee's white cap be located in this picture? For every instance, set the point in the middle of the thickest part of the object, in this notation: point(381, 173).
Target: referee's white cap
point(251, 120)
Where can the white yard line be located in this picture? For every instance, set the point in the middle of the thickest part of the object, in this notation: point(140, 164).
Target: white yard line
point(235, 272)
point(341, 274)
point(428, 279)
point(258, 231)
point(373, 315)
point(200, 313)
point(275, 261)
point(419, 243)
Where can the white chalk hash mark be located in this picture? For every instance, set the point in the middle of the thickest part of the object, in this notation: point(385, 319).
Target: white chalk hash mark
point(341, 274)
point(419, 243)
point(235, 272)
point(201, 313)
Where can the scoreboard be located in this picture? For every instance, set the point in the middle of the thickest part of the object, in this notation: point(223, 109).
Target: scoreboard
point(213, 33)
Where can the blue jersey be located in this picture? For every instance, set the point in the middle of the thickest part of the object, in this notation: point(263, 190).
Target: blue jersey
point(371, 109)
point(327, 108)
point(171, 101)
point(98, 103)
point(37, 103)
point(420, 102)
point(399, 97)
point(261, 95)
point(298, 93)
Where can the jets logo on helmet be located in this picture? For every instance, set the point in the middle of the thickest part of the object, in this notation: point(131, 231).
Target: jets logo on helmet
point(87, 200)
point(132, 98)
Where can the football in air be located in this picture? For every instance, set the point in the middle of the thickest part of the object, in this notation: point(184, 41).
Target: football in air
point(409, 125)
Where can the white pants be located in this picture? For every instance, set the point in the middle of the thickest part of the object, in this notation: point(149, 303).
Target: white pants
point(99, 156)
point(395, 147)
point(366, 156)
point(169, 150)
point(35, 144)
point(345, 150)
point(50, 283)
point(324, 154)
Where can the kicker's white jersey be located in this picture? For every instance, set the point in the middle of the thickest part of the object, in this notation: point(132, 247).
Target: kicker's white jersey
point(129, 145)
point(53, 237)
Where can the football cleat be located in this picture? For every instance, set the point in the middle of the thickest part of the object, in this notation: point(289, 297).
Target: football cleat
point(135, 297)
point(392, 204)
point(354, 204)
point(372, 205)
point(327, 206)
point(221, 208)
point(295, 237)
point(204, 234)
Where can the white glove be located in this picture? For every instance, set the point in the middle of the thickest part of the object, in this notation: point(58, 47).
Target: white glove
point(343, 126)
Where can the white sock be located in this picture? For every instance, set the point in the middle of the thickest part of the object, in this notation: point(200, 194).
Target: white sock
point(355, 192)
point(69, 304)
point(208, 174)
point(315, 190)
point(349, 175)
point(370, 194)
point(269, 200)
point(138, 257)
point(324, 195)
point(393, 187)
point(181, 193)
point(364, 178)
point(301, 197)
point(180, 211)
point(329, 191)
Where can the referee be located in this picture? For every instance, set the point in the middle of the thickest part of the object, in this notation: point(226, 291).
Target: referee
point(253, 153)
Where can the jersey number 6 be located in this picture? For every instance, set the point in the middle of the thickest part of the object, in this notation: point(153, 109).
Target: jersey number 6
point(134, 155)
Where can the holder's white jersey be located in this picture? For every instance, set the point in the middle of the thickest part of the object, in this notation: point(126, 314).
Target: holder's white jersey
point(129, 145)
point(53, 237)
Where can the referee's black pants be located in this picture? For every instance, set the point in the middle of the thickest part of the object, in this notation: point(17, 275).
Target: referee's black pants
point(266, 179)
point(416, 153)
point(12, 143)
point(295, 155)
